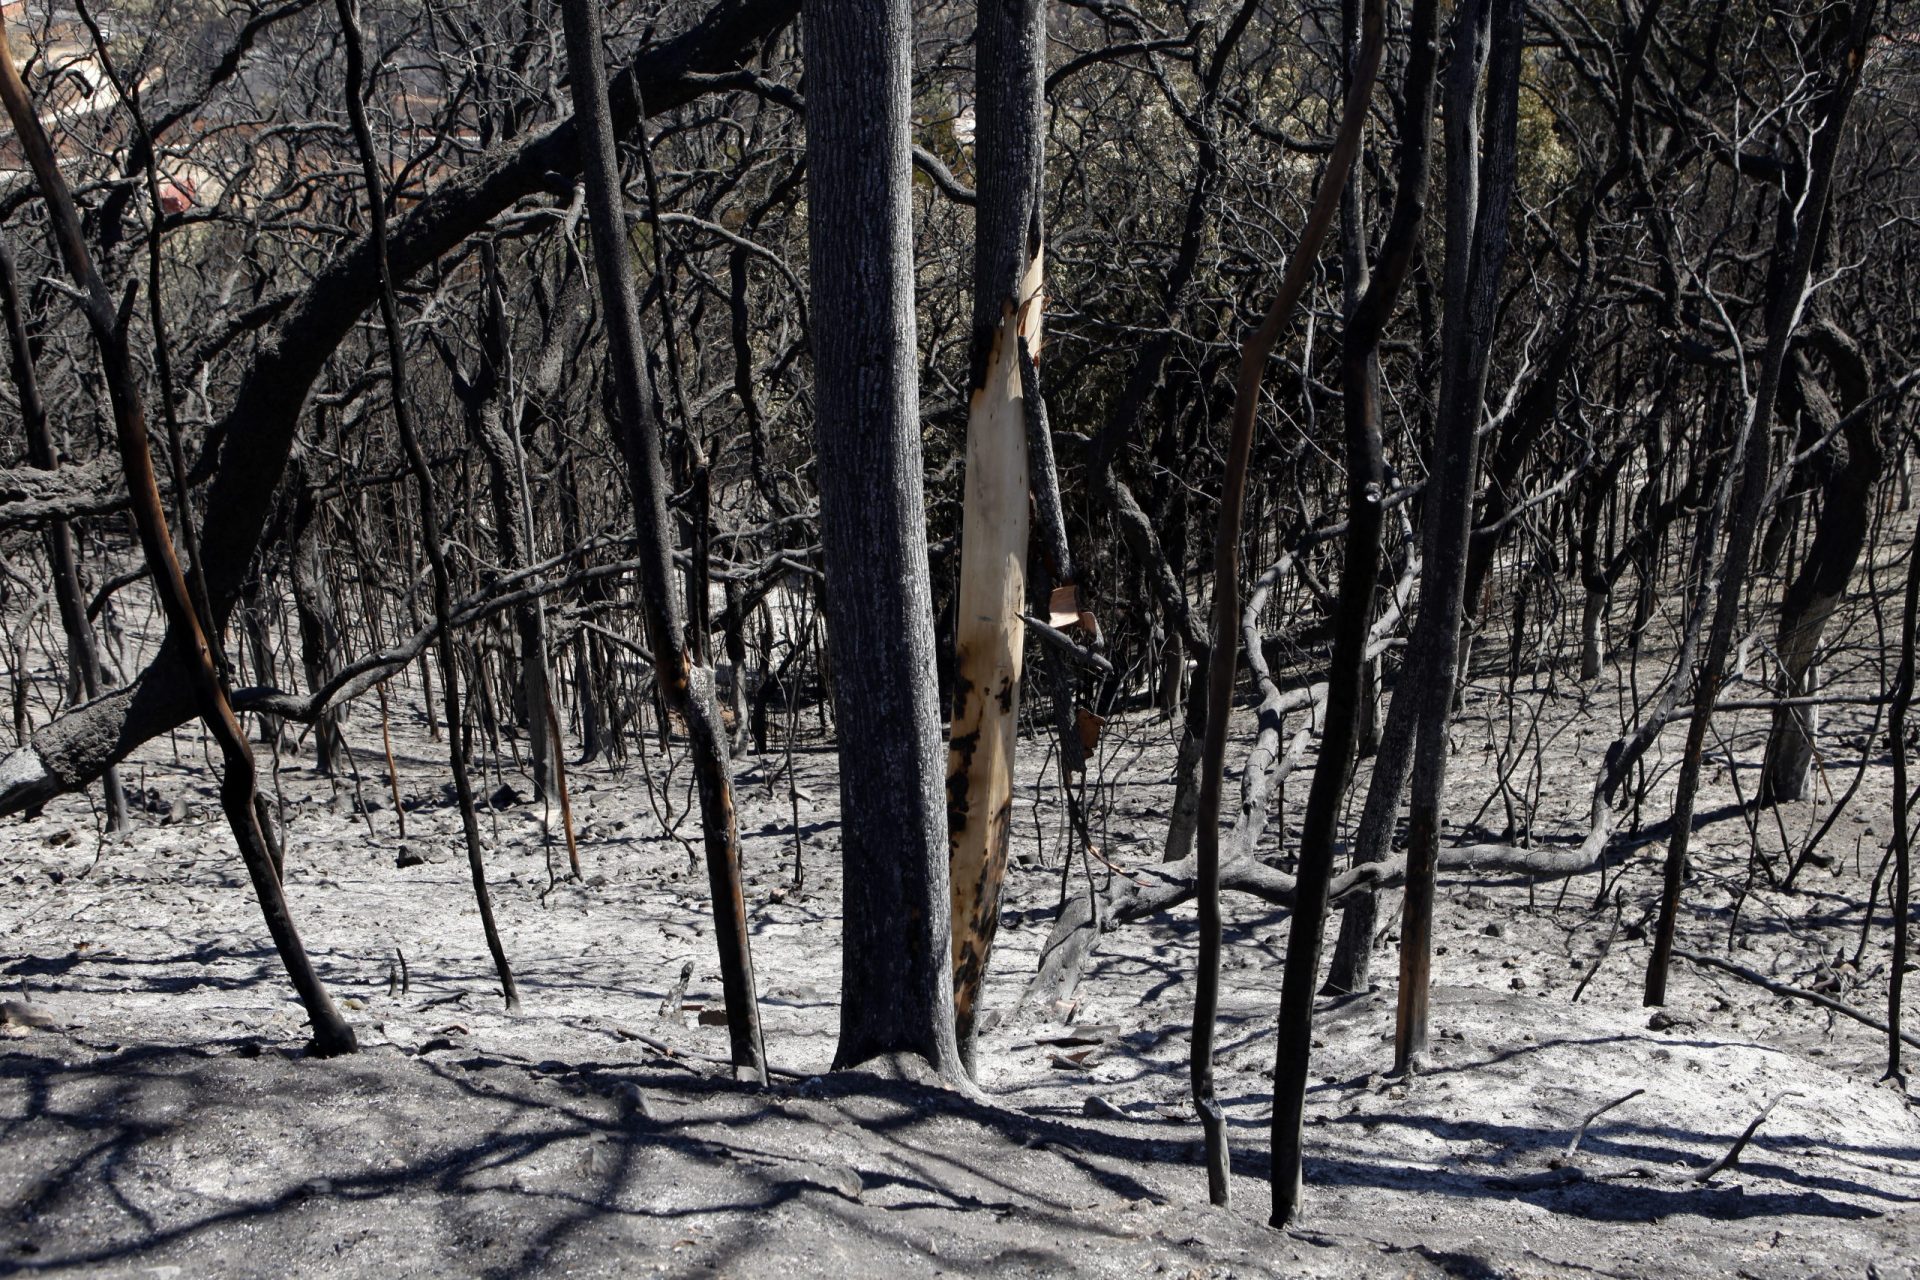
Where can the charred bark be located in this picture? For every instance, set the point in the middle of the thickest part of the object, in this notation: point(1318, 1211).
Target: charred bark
point(1840, 534)
point(687, 689)
point(896, 996)
point(1480, 176)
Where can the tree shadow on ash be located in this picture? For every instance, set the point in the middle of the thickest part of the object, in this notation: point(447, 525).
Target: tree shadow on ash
point(127, 1158)
point(101, 1144)
point(502, 1166)
point(180, 966)
point(1520, 1170)
point(1611, 1201)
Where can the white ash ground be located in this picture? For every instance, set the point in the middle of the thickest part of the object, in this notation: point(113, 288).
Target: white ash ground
point(170, 1121)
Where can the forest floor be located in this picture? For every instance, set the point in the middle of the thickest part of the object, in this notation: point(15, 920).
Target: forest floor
point(167, 1122)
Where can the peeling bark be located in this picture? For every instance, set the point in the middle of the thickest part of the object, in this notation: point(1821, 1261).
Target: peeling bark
point(1008, 305)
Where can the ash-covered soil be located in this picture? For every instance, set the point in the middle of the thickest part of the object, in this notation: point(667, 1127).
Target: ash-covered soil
point(168, 1124)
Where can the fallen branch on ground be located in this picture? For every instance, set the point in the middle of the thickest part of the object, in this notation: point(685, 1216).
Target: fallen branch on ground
point(1783, 989)
point(1740, 1144)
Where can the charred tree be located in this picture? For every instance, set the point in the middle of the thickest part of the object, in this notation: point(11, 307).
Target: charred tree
point(687, 689)
point(238, 795)
point(1842, 48)
point(1480, 174)
point(1366, 324)
point(1846, 511)
point(896, 993)
point(1008, 302)
point(1366, 491)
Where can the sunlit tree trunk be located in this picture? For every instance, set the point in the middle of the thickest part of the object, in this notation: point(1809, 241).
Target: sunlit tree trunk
point(1010, 63)
point(896, 994)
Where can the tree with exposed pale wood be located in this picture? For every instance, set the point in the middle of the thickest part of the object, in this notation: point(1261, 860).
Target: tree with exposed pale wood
point(1008, 305)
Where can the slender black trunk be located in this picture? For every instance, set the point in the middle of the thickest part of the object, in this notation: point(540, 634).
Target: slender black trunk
point(1843, 47)
point(430, 527)
point(688, 689)
point(1480, 172)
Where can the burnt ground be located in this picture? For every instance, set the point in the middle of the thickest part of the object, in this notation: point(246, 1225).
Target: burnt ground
point(168, 1123)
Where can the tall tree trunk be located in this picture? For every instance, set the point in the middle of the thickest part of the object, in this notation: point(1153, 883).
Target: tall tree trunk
point(1009, 65)
point(1846, 509)
point(1364, 490)
point(1480, 173)
point(1365, 494)
point(83, 651)
point(1842, 49)
point(1353, 954)
point(896, 995)
point(687, 689)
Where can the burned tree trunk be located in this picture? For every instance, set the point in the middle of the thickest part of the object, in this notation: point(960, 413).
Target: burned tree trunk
point(1480, 173)
point(490, 408)
point(688, 689)
point(1846, 509)
point(1902, 850)
point(1010, 63)
point(896, 994)
point(1353, 953)
point(314, 609)
point(1366, 478)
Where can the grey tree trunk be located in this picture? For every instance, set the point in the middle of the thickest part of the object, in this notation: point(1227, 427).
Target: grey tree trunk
point(1351, 968)
point(896, 995)
point(1185, 815)
point(688, 690)
point(1846, 507)
point(83, 652)
point(1488, 36)
point(1008, 305)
